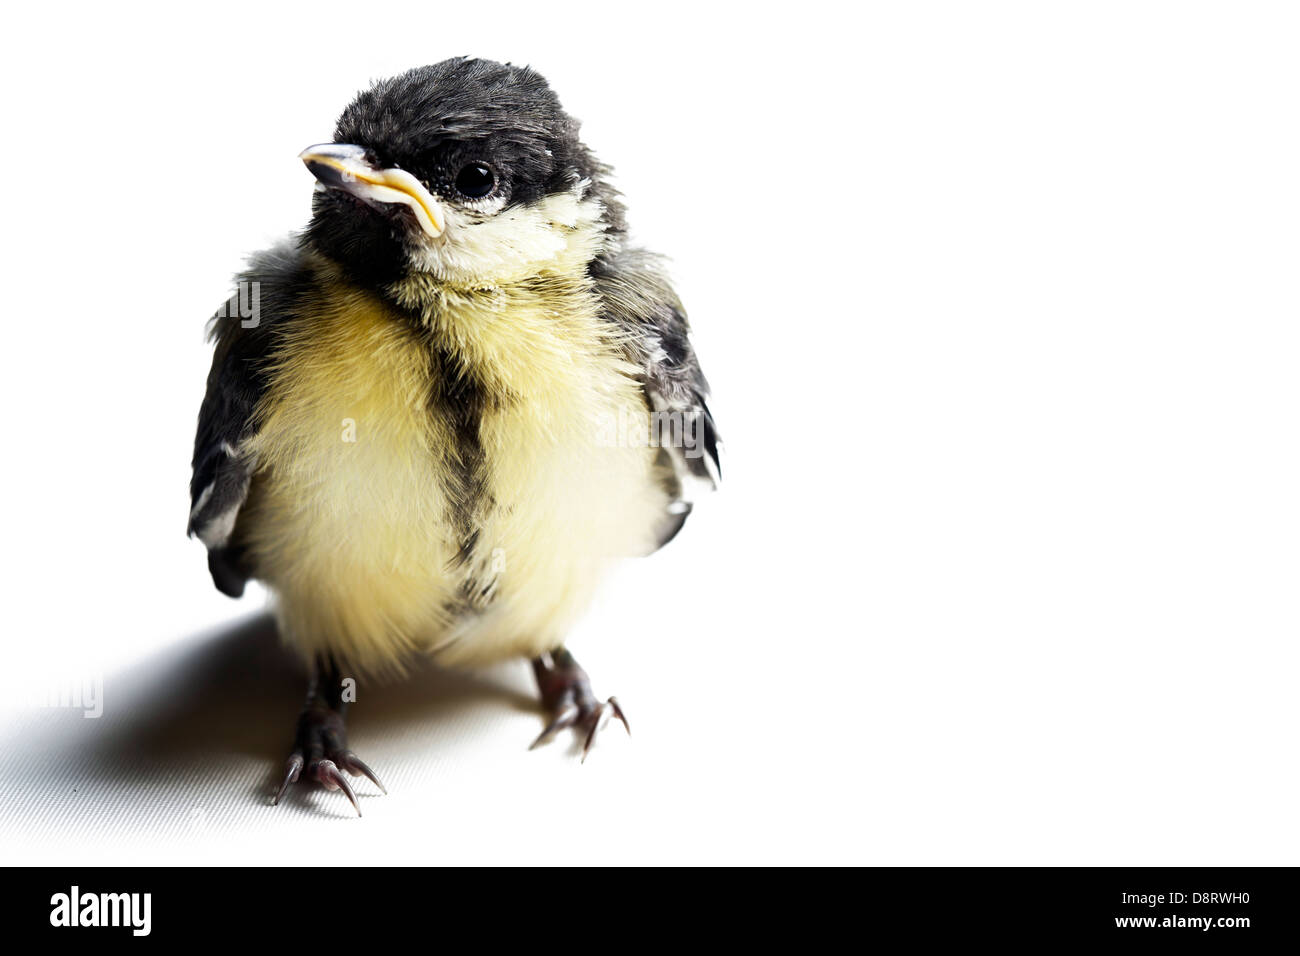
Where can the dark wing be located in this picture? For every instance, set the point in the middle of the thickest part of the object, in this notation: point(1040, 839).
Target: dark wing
point(636, 296)
point(222, 466)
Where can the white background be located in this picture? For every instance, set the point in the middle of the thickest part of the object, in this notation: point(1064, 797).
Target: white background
point(999, 302)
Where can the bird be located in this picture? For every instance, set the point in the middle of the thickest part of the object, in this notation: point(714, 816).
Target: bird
point(440, 413)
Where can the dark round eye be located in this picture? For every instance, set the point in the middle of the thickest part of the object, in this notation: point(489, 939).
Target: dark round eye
point(475, 180)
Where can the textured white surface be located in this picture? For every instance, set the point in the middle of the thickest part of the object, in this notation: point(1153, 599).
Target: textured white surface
point(180, 766)
point(999, 302)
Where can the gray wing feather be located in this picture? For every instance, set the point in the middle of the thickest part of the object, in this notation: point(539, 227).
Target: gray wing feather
point(639, 300)
point(222, 469)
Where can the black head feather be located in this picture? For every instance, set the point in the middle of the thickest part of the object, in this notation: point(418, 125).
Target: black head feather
point(434, 121)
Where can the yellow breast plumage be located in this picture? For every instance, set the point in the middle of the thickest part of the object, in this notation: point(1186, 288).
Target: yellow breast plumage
point(356, 517)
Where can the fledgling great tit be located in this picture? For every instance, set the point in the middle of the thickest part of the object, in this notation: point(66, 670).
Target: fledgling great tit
point(458, 397)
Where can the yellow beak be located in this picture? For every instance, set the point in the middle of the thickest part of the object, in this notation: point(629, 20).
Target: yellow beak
point(343, 166)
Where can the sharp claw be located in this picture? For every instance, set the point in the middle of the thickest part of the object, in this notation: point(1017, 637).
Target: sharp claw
point(292, 770)
point(358, 767)
point(591, 734)
point(598, 718)
point(618, 712)
point(565, 718)
point(328, 774)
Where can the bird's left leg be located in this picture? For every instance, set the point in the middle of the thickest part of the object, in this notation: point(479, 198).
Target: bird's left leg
point(566, 693)
point(320, 742)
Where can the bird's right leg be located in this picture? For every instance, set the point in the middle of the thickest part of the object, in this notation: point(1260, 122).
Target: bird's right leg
point(320, 742)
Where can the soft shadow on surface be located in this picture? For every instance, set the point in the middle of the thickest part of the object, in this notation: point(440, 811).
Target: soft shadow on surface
point(241, 691)
point(174, 721)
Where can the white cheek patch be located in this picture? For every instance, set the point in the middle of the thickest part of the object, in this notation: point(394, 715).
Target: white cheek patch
point(485, 207)
point(487, 245)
